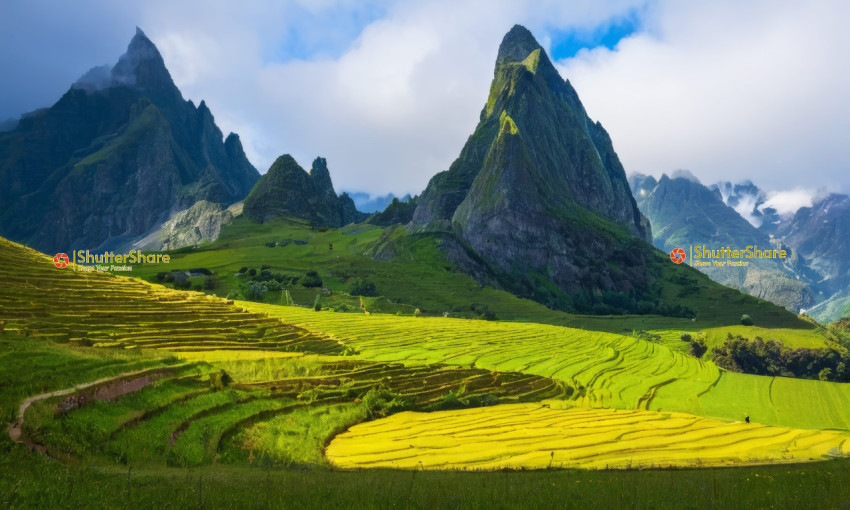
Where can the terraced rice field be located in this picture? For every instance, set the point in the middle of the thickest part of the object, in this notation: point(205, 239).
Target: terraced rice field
point(533, 436)
point(98, 309)
point(252, 383)
point(615, 371)
point(183, 420)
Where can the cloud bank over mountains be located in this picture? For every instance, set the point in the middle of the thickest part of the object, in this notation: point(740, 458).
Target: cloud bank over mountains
point(388, 91)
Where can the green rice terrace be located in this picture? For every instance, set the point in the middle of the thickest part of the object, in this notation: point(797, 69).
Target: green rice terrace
point(140, 393)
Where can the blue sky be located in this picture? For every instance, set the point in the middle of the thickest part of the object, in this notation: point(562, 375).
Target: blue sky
point(567, 42)
point(389, 90)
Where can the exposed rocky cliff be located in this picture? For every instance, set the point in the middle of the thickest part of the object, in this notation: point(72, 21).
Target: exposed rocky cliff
point(114, 157)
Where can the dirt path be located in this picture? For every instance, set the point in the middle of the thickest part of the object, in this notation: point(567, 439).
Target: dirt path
point(16, 429)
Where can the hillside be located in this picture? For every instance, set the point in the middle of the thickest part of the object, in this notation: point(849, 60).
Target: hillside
point(113, 158)
point(684, 213)
point(191, 380)
point(418, 274)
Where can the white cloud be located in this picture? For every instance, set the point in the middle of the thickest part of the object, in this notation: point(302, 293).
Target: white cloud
point(731, 90)
point(787, 202)
point(388, 113)
point(392, 89)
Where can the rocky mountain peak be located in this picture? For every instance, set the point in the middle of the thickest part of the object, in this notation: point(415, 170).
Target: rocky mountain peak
point(321, 176)
point(122, 150)
point(142, 65)
point(538, 186)
point(517, 45)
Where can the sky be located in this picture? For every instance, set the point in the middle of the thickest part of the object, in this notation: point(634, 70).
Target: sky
point(389, 91)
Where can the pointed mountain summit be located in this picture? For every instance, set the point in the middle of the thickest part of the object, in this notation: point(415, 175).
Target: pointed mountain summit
point(118, 154)
point(287, 189)
point(570, 158)
point(538, 190)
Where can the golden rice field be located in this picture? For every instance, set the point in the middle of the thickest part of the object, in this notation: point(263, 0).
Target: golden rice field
point(532, 436)
point(616, 371)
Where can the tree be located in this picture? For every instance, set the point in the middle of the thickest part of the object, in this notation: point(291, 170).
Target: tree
point(746, 320)
point(363, 288)
point(698, 348)
point(825, 374)
point(316, 303)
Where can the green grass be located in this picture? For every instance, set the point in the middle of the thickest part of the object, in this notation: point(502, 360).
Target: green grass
point(294, 439)
point(28, 481)
point(783, 401)
point(796, 338)
point(419, 276)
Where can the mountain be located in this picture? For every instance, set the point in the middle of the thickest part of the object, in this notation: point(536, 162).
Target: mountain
point(287, 189)
point(396, 212)
point(369, 204)
point(119, 153)
point(685, 213)
point(821, 234)
point(538, 192)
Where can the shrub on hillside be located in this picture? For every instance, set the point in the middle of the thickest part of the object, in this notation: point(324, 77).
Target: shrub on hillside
point(746, 320)
point(381, 403)
point(311, 279)
point(255, 291)
point(697, 348)
point(363, 288)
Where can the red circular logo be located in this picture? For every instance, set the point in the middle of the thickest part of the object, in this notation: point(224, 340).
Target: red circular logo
point(60, 260)
point(677, 255)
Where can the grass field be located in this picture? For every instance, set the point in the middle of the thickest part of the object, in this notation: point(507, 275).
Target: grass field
point(534, 436)
point(420, 276)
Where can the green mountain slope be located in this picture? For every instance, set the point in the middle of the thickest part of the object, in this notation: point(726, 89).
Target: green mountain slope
point(114, 157)
point(538, 202)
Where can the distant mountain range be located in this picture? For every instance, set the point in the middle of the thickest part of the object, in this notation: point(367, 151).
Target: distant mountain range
point(115, 157)
point(814, 278)
point(369, 204)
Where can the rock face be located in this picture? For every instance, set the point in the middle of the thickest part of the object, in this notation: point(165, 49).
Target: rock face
point(538, 189)
point(685, 213)
point(113, 157)
point(200, 223)
point(287, 189)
